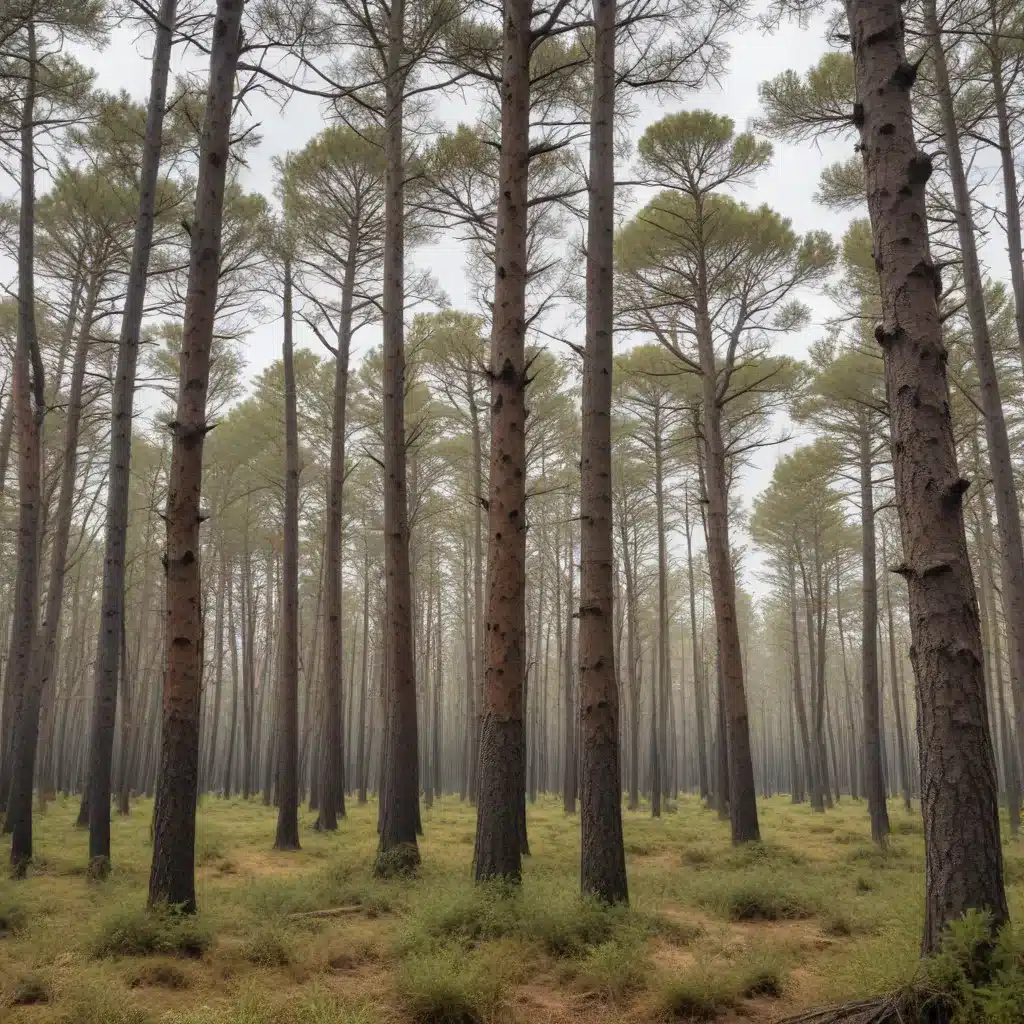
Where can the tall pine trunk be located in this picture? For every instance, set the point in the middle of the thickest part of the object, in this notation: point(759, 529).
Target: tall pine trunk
point(332, 798)
point(172, 876)
point(399, 800)
point(112, 602)
point(287, 732)
point(959, 798)
point(28, 394)
point(602, 859)
point(501, 767)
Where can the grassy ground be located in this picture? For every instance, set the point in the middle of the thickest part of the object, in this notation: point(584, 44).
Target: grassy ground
point(814, 914)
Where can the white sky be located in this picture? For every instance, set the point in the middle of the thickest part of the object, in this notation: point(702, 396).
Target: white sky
point(788, 185)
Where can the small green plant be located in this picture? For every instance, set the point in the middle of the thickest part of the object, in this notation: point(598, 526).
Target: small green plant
point(764, 899)
point(447, 987)
point(976, 978)
point(12, 918)
point(762, 977)
point(614, 970)
point(837, 925)
point(268, 948)
point(160, 930)
point(701, 995)
point(695, 856)
point(401, 861)
point(26, 990)
point(158, 974)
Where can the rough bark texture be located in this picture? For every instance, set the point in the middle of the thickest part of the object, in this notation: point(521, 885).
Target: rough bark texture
point(602, 855)
point(399, 767)
point(287, 736)
point(28, 393)
point(501, 776)
point(172, 877)
point(963, 856)
point(112, 602)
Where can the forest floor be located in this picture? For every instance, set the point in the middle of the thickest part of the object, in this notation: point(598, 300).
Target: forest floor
point(815, 914)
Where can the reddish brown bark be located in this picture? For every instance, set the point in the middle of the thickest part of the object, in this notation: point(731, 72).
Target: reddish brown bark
point(172, 876)
point(963, 856)
point(502, 749)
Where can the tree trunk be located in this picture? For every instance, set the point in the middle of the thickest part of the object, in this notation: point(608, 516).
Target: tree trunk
point(851, 751)
point(569, 694)
point(986, 551)
point(112, 601)
point(287, 732)
point(741, 791)
point(233, 730)
point(172, 878)
point(218, 678)
point(698, 686)
point(399, 767)
point(364, 678)
point(602, 859)
point(28, 393)
point(501, 767)
point(897, 703)
point(332, 799)
point(810, 761)
point(874, 777)
point(959, 798)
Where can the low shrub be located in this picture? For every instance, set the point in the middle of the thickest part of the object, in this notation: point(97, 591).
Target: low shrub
point(161, 930)
point(763, 977)
point(25, 990)
point(158, 974)
point(614, 970)
point(766, 899)
point(269, 947)
point(447, 987)
point(402, 861)
point(695, 856)
point(12, 917)
point(700, 995)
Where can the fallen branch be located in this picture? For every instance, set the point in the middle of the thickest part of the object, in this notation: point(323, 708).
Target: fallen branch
point(329, 912)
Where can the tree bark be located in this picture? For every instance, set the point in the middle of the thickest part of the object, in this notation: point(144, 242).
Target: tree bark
point(287, 733)
point(172, 876)
point(28, 393)
point(332, 799)
point(501, 767)
point(399, 767)
point(959, 799)
point(602, 859)
point(112, 601)
point(698, 686)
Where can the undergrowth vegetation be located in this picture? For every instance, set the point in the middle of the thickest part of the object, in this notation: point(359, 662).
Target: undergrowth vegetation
point(815, 914)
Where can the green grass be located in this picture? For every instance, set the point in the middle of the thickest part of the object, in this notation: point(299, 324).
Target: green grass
point(813, 914)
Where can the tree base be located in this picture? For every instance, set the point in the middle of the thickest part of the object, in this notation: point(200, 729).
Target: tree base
point(400, 861)
point(99, 868)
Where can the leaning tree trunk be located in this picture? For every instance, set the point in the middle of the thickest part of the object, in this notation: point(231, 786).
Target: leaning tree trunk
point(501, 765)
point(287, 836)
point(959, 796)
point(602, 858)
point(332, 796)
point(1004, 491)
point(399, 796)
point(172, 877)
point(28, 394)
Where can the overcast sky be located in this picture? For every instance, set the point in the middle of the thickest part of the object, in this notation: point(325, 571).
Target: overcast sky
point(788, 185)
